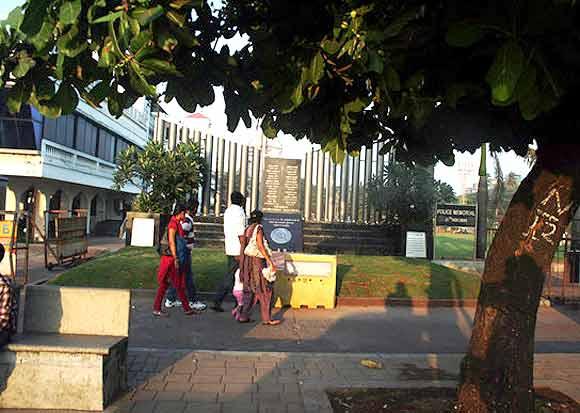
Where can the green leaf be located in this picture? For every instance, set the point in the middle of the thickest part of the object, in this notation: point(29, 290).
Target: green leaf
point(60, 60)
point(528, 94)
point(70, 11)
point(107, 57)
point(44, 89)
point(15, 18)
point(66, 98)
point(111, 17)
point(115, 103)
point(146, 16)
point(70, 45)
point(335, 150)
point(138, 81)
point(161, 66)
point(463, 34)
point(34, 16)
point(316, 68)
point(178, 4)
point(416, 81)
point(140, 41)
point(375, 63)
point(268, 127)
point(330, 46)
point(177, 18)
point(400, 23)
point(25, 63)
point(504, 73)
point(99, 93)
point(392, 79)
point(18, 95)
point(43, 37)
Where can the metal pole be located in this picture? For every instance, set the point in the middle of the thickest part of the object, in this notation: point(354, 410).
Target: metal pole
point(344, 188)
point(244, 170)
point(367, 177)
point(255, 177)
point(208, 158)
point(331, 192)
point(197, 137)
point(355, 188)
point(319, 185)
point(232, 169)
point(219, 176)
point(380, 174)
point(308, 186)
point(327, 167)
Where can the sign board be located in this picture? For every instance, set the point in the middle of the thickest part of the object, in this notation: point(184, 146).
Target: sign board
point(281, 185)
point(143, 232)
point(449, 215)
point(6, 228)
point(416, 245)
point(284, 232)
point(71, 236)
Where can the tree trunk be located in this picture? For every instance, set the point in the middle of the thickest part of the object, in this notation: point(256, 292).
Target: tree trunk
point(497, 372)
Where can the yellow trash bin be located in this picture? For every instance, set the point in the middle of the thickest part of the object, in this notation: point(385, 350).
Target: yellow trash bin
point(307, 280)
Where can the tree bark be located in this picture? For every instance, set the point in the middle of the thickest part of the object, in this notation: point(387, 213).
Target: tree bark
point(497, 372)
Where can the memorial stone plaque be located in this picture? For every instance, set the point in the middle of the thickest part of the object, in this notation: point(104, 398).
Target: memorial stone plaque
point(285, 232)
point(449, 215)
point(281, 185)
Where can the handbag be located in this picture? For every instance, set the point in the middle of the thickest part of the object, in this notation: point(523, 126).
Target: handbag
point(269, 275)
point(252, 249)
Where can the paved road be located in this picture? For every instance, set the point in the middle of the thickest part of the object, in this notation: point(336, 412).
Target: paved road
point(352, 330)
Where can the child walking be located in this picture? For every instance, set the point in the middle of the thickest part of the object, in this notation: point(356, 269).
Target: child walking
point(238, 292)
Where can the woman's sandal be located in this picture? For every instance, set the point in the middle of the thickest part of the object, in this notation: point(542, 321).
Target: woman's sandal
point(160, 314)
point(272, 322)
point(191, 312)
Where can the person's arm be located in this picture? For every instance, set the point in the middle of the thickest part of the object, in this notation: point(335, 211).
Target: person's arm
point(172, 246)
point(263, 250)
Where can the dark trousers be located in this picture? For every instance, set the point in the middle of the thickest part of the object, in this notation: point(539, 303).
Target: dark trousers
point(189, 285)
point(4, 338)
point(227, 284)
point(249, 301)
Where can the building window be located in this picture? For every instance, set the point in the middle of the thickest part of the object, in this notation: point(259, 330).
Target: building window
point(121, 146)
point(86, 138)
point(106, 145)
point(60, 130)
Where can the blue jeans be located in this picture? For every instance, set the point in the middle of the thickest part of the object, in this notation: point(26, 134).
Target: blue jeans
point(185, 260)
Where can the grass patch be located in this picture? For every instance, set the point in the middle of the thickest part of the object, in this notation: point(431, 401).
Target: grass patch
point(454, 246)
point(358, 276)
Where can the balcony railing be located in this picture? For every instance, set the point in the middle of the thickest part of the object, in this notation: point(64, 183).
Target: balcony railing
point(59, 155)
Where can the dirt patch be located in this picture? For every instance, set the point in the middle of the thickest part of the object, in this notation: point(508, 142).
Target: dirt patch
point(429, 400)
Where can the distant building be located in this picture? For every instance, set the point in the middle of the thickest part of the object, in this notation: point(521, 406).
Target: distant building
point(67, 164)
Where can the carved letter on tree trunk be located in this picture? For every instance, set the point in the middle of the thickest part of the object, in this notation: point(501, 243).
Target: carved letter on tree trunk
point(497, 372)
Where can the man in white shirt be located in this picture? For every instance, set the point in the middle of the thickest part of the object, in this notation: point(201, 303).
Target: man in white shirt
point(234, 227)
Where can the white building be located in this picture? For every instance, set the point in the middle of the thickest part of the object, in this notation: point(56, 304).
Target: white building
point(66, 164)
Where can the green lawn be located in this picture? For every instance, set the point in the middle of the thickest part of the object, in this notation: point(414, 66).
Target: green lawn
point(360, 276)
point(454, 246)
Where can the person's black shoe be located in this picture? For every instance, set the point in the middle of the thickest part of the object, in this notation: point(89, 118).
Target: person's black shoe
point(217, 308)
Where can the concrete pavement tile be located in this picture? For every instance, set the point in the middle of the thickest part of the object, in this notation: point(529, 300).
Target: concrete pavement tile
point(154, 386)
point(208, 388)
point(241, 388)
point(144, 395)
point(170, 407)
point(240, 364)
point(200, 397)
point(292, 397)
point(270, 407)
point(240, 371)
point(169, 395)
point(270, 388)
point(292, 388)
point(241, 398)
point(206, 379)
point(214, 363)
point(295, 408)
point(181, 386)
point(239, 408)
point(202, 408)
point(213, 371)
point(182, 377)
point(143, 406)
point(268, 397)
point(238, 379)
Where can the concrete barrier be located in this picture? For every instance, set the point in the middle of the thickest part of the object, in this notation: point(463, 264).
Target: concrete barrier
point(72, 353)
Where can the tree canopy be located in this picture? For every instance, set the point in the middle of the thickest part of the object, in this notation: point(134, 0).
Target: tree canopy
point(425, 77)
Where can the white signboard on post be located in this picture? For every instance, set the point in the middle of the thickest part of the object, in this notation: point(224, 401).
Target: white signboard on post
point(416, 245)
point(143, 232)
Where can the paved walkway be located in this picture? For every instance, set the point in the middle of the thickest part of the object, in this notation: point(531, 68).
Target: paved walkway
point(242, 382)
point(342, 330)
point(37, 271)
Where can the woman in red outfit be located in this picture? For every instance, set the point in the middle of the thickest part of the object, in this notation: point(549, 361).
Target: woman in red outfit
point(170, 269)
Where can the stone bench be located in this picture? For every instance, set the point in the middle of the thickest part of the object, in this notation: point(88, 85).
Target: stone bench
point(72, 352)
